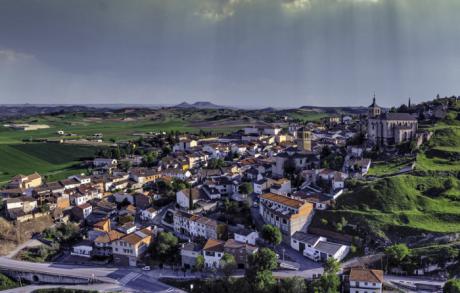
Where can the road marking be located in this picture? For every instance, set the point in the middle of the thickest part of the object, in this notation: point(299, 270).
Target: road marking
point(129, 277)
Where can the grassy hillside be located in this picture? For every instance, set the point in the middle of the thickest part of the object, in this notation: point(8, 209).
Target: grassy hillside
point(56, 161)
point(396, 207)
point(442, 153)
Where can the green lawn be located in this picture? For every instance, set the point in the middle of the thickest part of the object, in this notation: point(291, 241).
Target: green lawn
point(57, 161)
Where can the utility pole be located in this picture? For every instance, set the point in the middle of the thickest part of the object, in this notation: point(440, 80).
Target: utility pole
point(190, 198)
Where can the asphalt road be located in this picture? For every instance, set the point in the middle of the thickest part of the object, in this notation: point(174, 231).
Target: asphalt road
point(128, 279)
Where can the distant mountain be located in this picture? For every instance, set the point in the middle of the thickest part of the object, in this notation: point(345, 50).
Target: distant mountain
point(200, 105)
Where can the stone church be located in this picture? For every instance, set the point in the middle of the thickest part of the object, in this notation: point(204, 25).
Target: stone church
point(385, 128)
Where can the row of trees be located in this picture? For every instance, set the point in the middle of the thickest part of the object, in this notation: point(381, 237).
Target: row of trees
point(400, 256)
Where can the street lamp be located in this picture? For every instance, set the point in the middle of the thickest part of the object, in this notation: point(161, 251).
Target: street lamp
point(283, 252)
point(191, 287)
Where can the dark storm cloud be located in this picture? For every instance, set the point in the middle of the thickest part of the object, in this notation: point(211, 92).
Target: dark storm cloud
point(244, 52)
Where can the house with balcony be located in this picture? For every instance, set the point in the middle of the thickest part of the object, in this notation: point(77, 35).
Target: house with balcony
point(128, 249)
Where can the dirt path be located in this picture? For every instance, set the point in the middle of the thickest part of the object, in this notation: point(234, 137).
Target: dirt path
point(29, 243)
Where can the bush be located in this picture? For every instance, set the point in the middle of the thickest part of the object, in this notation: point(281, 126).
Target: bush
point(6, 283)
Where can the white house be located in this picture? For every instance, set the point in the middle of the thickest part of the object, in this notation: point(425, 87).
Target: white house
point(81, 178)
point(211, 192)
point(317, 248)
point(177, 173)
point(183, 197)
point(260, 186)
point(149, 214)
point(103, 162)
point(365, 280)
point(213, 251)
point(83, 249)
point(185, 145)
point(246, 236)
point(251, 130)
point(120, 197)
point(272, 130)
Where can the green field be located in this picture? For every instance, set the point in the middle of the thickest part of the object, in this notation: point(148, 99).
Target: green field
point(56, 161)
point(307, 115)
point(112, 130)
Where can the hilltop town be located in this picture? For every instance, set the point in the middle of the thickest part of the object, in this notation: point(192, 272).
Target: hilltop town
point(365, 196)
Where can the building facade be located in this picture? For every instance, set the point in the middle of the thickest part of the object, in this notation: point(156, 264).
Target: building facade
point(390, 128)
point(288, 214)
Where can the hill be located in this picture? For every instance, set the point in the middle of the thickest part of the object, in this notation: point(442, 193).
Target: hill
point(200, 105)
point(442, 153)
point(394, 208)
point(406, 207)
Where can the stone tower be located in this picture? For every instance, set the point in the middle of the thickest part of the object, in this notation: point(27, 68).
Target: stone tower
point(374, 109)
point(304, 139)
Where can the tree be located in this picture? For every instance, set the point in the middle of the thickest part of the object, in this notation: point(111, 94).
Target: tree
point(329, 283)
point(149, 159)
point(293, 285)
point(264, 281)
point(199, 264)
point(397, 253)
point(452, 286)
point(165, 246)
point(125, 165)
point(264, 259)
point(332, 266)
point(271, 234)
point(246, 188)
point(228, 264)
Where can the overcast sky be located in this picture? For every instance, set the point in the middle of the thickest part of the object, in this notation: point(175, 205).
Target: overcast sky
point(233, 52)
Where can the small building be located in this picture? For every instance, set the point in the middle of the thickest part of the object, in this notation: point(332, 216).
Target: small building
point(128, 249)
point(189, 252)
point(81, 212)
point(246, 236)
point(365, 280)
point(83, 248)
point(213, 251)
point(317, 248)
point(183, 197)
point(149, 214)
point(240, 250)
point(25, 182)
